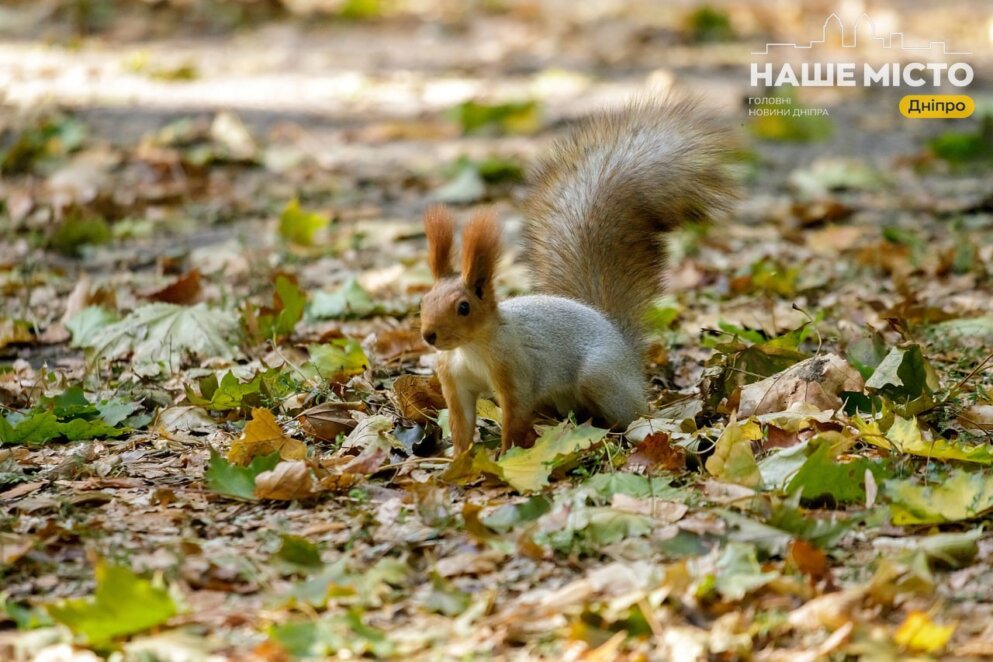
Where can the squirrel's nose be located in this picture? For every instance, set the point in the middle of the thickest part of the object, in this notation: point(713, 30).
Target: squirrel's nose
point(430, 337)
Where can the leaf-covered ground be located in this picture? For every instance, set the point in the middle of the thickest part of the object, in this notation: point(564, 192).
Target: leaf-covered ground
point(220, 436)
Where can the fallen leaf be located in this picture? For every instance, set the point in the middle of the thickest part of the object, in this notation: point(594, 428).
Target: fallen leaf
point(733, 460)
point(288, 481)
point(809, 560)
point(527, 469)
point(160, 336)
point(656, 453)
point(817, 381)
point(262, 436)
point(123, 604)
point(328, 420)
point(231, 480)
point(418, 398)
point(183, 290)
point(399, 344)
point(962, 495)
point(920, 634)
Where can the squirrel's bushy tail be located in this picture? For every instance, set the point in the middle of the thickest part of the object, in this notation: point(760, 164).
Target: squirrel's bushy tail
point(606, 194)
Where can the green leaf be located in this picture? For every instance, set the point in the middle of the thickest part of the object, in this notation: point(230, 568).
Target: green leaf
point(527, 469)
point(335, 361)
point(290, 302)
point(904, 375)
point(35, 429)
point(77, 231)
point(738, 572)
point(123, 604)
point(348, 301)
point(515, 117)
point(961, 496)
point(115, 411)
point(961, 147)
point(511, 515)
point(85, 324)
point(71, 403)
point(160, 336)
point(227, 395)
point(329, 635)
point(231, 480)
point(606, 485)
point(445, 599)
point(42, 426)
point(823, 476)
point(866, 353)
point(298, 226)
point(299, 552)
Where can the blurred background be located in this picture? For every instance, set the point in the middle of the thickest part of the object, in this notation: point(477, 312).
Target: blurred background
point(136, 131)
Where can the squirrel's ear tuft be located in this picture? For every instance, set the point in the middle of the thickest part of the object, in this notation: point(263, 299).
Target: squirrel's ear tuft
point(440, 230)
point(481, 247)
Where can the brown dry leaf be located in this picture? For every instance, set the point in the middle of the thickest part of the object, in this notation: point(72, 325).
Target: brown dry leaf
point(13, 546)
point(812, 212)
point(326, 421)
point(263, 436)
point(816, 381)
point(21, 490)
point(398, 344)
point(809, 560)
point(977, 417)
point(656, 453)
point(289, 481)
point(183, 290)
point(417, 397)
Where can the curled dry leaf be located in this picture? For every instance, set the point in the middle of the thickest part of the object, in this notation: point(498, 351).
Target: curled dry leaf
point(818, 381)
point(418, 398)
point(262, 436)
point(183, 290)
point(977, 417)
point(399, 344)
point(289, 481)
point(656, 453)
point(327, 420)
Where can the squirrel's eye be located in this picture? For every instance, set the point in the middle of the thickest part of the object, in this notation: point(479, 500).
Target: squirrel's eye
point(464, 308)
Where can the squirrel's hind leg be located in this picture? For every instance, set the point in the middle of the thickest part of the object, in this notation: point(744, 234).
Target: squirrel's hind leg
point(615, 400)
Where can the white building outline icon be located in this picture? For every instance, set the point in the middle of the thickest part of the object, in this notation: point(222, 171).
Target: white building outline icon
point(886, 41)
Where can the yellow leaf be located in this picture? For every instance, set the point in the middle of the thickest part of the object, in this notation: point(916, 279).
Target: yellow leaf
point(904, 435)
point(262, 436)
point(733, 460)
point(488, 410)
point(918, 633)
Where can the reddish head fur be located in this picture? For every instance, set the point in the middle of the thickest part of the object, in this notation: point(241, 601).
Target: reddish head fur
point(460, 309)
point(440, 230)
point(481, 247)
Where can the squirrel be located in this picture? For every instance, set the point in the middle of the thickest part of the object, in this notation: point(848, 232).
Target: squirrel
point(594, 234)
